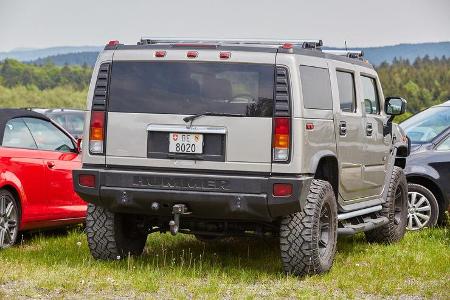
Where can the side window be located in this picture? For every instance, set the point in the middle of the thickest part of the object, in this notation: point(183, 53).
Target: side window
point(17, 135)
point(48, 136)
point(346, 87)
point(316, 87)
point(445, 145)
point(370, 93)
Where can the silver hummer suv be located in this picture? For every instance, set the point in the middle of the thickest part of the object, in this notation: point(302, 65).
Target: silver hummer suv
point(222, 138)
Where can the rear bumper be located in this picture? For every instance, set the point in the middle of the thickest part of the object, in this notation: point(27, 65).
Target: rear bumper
point(207, 195)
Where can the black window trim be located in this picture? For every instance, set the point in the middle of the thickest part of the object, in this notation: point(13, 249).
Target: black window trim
point(326, 68)
point(362, 74)
point(353, 73)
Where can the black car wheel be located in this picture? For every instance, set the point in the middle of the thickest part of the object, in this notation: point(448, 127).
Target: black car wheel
point(423, 208)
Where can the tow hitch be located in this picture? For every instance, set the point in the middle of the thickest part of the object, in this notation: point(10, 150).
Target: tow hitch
point(177, 211)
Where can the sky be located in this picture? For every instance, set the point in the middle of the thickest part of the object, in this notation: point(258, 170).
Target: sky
point(362, 23)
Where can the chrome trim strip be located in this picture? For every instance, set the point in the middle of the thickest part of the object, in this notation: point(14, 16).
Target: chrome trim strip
point(186, 129)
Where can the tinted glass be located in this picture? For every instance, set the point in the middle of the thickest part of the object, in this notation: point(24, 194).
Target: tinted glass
point(346, 86)
point(191, 88)
point(445, 145)
point(17, 135)
point(73, 123)
point(316, 87)
point(49, 137)
point(370, 93)
point(426, 125)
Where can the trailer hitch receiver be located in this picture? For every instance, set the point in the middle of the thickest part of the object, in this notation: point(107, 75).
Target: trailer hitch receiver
point(177, 211)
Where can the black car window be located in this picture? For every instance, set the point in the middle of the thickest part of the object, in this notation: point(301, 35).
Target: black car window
point(48, 136)
point(17, 135)
point(445, 145)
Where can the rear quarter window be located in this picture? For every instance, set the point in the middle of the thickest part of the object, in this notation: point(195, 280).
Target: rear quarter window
point(316, 88)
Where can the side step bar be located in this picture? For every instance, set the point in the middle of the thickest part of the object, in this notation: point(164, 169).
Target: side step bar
point(365, 222)
point(360, 212)
point(369, 224)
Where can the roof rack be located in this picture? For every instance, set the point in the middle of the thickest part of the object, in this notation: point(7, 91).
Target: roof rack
point(310, 44)
point(348, 53)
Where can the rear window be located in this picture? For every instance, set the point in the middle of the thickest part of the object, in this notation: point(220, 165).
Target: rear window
point(192, 88)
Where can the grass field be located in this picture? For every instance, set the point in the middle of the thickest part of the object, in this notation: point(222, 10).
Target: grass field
point(56, 266)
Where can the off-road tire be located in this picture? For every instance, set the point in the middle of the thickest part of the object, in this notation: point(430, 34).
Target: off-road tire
point(434, 213)
point(302, 252)
point(396, 210)
point(112, 235)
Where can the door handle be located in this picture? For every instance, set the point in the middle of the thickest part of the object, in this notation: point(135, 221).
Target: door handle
point(369, 129)
point(343, 128)
point(50, 164)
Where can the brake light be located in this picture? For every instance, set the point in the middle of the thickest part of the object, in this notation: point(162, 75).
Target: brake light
point(87, 180)
point(281, 139)
point(97, 132)
point(224, 55)
point(113, 43)
point(192, 54)
point(282, 189)
point(287, 46)
point(160, 53)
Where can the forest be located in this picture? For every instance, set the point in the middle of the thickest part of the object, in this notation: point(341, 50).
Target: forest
point(423, 82)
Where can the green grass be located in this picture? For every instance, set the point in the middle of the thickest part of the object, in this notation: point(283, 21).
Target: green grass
point(182, 267)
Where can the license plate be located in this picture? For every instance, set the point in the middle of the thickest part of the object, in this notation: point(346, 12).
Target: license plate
point(186, 143)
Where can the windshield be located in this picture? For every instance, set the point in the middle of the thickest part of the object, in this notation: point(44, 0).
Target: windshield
point(192, 88)
point(426, 125)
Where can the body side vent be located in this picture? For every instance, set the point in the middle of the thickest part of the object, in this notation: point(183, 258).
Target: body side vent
point(101, 87)
point(282, 93)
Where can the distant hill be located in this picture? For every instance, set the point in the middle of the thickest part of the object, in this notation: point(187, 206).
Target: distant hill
point(33, 54)
point(88, 54)
point(79, 58)
point(377, 55)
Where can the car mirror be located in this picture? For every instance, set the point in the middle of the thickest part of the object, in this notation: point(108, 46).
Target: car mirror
point(394, 106)
point(79, 145)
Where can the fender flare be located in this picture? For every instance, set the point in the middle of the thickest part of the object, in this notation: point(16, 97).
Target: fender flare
point(315, 159)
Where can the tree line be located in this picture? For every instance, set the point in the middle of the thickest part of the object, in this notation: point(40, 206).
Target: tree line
point(423, 82)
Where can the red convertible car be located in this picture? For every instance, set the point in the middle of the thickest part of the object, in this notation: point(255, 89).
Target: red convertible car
point(36, 161)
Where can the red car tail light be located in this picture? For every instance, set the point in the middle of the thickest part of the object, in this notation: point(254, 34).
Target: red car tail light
point(86, 180)
point(97, 132)
point(282, 189)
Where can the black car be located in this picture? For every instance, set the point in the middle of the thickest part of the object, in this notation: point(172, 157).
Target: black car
point(428, 166)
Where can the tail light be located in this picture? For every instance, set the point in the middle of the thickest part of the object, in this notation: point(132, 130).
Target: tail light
point(97, 132)
point(87, 180)
point(282, 189)
point(281, 138)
